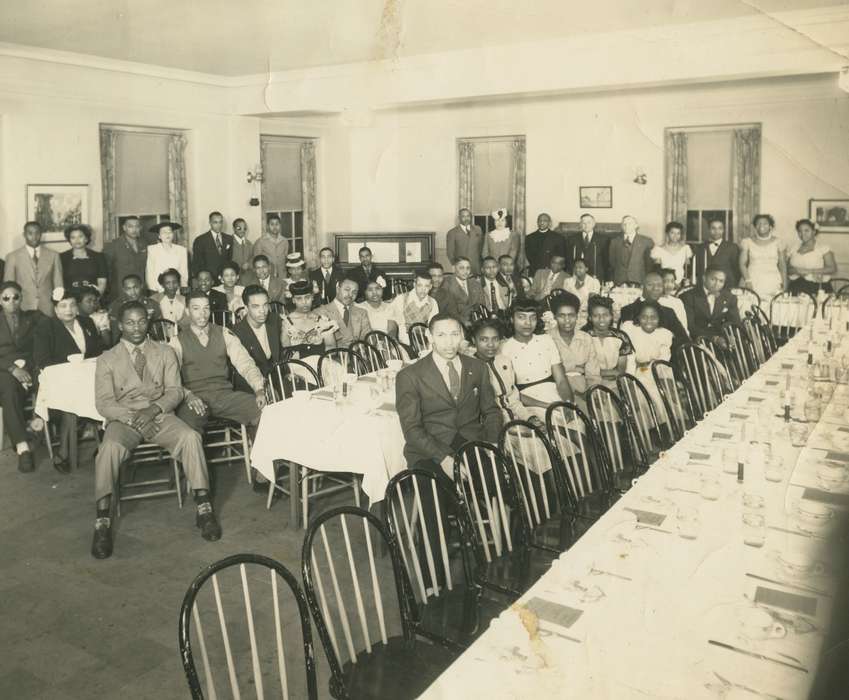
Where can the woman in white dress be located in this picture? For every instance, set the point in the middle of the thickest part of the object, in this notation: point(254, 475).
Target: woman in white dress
point(812, 264)
point(611, 349)
point(501, 240)
point(650, 343)
point(172, 304)
point(674, 254)
point(762, 260)
point(583, 286)
point(165, 255)
point(230, 286)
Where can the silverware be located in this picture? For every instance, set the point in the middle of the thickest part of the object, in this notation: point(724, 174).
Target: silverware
point(649, 527)
point(795, 586)
point(598, 572)
point(755, 655)
point(543, 632)
point(732, 684)
point(795, 532)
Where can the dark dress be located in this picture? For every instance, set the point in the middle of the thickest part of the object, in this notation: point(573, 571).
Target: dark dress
point(80, 272)
point(53, 342)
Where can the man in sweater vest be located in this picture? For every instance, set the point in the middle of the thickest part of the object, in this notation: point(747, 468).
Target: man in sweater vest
point(203, 349)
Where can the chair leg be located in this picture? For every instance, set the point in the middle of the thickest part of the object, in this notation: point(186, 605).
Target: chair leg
point(48, 440)
point(356, 484)
point(178, 483)
point(246, 451)
point(271, 486)
point(305, 497)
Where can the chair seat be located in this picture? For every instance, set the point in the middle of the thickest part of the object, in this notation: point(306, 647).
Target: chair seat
point(512, 574)
point(397, 670)
point(459, 615)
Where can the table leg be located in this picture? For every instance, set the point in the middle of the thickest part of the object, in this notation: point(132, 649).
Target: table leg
point(72, 441)
point(294, 496)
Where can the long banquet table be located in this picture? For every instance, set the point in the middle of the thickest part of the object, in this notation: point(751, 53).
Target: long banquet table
point(662, 598)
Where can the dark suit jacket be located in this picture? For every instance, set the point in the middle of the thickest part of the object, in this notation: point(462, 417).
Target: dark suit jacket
point(20, 347)
point(468, 245)
point(53, 342)
point(463, 302)
point(246, 335)
point(358, 274)
point(630, 265)
point(701, 322)
point(122, 260)
point(727, 259)
point(668, 320)
point(430, 418)
point(217, 300)
point(596, 255)
point(326, 292)
point(205, 255)
point(540, 247)
point(446, 302)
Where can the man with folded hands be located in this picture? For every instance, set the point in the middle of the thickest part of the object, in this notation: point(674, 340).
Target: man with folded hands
point(137, 389)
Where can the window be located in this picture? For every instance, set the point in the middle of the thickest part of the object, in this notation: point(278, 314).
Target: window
point(493, 179)
point(698, 223)
point(282, 193)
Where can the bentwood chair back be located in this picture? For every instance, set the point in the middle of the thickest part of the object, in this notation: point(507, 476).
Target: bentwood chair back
point(227, 319)
point(614, 424)
point(835, 309)
point(480, 312)
point(285, 378)
point(419, 338)
point(363, 609)
point(650, 431)
point(370, 353)
point(276, 307)
point(335, 362)
point(790, 312)
point(389, 348)
point(742, 354)
point(237, 618)
point(676, 401)
point(162, 329)
point(701, 375)
point(768, 341)
point(747, 299)
point(756, 340)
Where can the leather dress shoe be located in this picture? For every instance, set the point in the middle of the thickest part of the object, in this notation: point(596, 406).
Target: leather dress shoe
point(61, 464)
point(101, 544)
point(26, 463)
point(209, 528)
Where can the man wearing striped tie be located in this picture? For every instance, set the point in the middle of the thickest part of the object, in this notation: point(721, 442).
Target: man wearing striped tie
point(497, 297)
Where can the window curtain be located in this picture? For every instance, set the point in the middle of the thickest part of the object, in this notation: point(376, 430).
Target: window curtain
point(178, 208)
point(108, 147)
point(308, 193)
point(518, 198)
point(466, 161)
point(263, 185)
point(676, 177)
point(746, 178)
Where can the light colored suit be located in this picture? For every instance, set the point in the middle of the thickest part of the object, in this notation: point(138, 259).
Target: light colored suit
point(276, 289)
point(464, 301)
point(346, 335)
point(540, 288)
point(37, 284)
point(119, 393)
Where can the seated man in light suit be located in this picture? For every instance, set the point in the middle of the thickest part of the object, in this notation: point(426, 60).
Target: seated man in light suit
point(261, 275)
point(549, 278)
point(137, 388)
point(352, 321)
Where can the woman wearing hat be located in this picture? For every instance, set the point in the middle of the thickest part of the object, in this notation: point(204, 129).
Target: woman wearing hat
point(304, 328)
point(165, 255)
point(296, 271)
point(82, 266)
point(501, 240)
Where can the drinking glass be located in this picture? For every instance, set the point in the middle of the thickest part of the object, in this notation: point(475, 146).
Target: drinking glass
point(688, 522)
point(754, 529)
point(798, 434)
point(753, 501)
point(774, 467)
point(711, 489)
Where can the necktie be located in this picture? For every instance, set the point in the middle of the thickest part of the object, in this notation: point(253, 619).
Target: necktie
point(346, 317)
point(466, 229)
point(138, 362)
point(711, 300)
point(35, 257)
point(586, 239)
point(493, 298)
point(453, 381)
point(326, 276)
point(132, 243)
point(218, 243)
point(12, 320)
point(627, 242)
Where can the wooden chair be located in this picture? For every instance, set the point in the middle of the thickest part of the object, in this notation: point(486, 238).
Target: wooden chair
point(768, 343)
point(618, 436)
point(676, 401)
point(398, 285)
point(162, 329)
point(578, 445)
point(443, 585)
point(276, 307)
point(364, 611)
point(243, 617)
point(419, 338)
point(227, 319)
point(337, 361)
point(741, 351)
point(389, 348)
point(790, 312)
point(148, 456)
point(835, 309)
point(650, 432)
point(370, 353)
point(747, 299)
point(701, 375)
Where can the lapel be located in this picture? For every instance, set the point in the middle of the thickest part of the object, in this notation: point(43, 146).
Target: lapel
point(701, 300)
point(463, 294)
point(6, 330)
point(33, 271)
point(465, 379)
point(131, 377)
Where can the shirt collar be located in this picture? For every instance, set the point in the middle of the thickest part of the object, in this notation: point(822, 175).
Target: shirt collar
point(199, 331)
point(132, 348)
point(442, 363)
point(340, 306)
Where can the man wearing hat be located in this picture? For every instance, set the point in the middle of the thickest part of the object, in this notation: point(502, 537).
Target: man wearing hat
point(369, 272)
point(212, 249)
point(36, 269)
point(274, 246)
point(125, 255)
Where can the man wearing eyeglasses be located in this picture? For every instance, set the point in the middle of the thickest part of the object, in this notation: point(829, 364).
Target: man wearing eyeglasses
point(16, 333)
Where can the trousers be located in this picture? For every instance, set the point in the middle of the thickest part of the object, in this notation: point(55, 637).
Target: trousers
point(238, 406)
point(182, 442)
point(12, 396)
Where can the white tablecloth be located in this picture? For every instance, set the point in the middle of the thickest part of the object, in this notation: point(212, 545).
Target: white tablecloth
point(68, 387)
point(648, 600)
point(318, 434)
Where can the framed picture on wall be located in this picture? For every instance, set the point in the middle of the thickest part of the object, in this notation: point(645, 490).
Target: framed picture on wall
point(595, 197)
point(57, 206)
point(830, 215)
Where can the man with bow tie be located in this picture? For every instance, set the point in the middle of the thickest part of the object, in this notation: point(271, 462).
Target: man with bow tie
point(719, 253)
point(465, 241)
point(212, 249)
point(709, 306)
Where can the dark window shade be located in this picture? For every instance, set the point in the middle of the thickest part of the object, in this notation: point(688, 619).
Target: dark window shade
point(282, 175)
point(141, 173)
point(493, 175)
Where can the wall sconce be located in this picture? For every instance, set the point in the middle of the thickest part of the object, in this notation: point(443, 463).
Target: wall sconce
point(254, 178)
point(640, 176)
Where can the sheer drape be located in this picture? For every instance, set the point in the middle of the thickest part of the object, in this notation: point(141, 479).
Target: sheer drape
point(676, 176)
point(518, 198)
point(108, 144)
point(178, 208)
point(466, 160)
point(308, 187)
point(746, 179)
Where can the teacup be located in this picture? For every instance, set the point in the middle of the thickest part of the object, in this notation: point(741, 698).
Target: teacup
point(831, 476)
point(76, 357)
point(758, 625)
point(813, 516)
point(799, 564)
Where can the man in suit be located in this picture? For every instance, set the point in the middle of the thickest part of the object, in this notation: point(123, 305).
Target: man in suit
point(465, 292)
point(653, 291)
point(259, 332)
point(36, 269)
point(325, 277)
point(509, 277)
point(444, 400)
point(709, 306)
point(16, 368)
point(543, 244)
point(548, 279)
point(273, 245)
point(719, 253)
point(126, 255)
point(261, 276)
point(445, 301)
point(137, 388)
point(465, 241)
point(497, 296)
point(132, 290)
point(368, 272)
point(352, 321)
point(591, 247)
point(629, 253)
point(243, 249)
point(212, 249)
point(204, 283)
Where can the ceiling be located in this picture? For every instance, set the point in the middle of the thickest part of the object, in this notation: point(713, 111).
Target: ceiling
point(242, 37)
